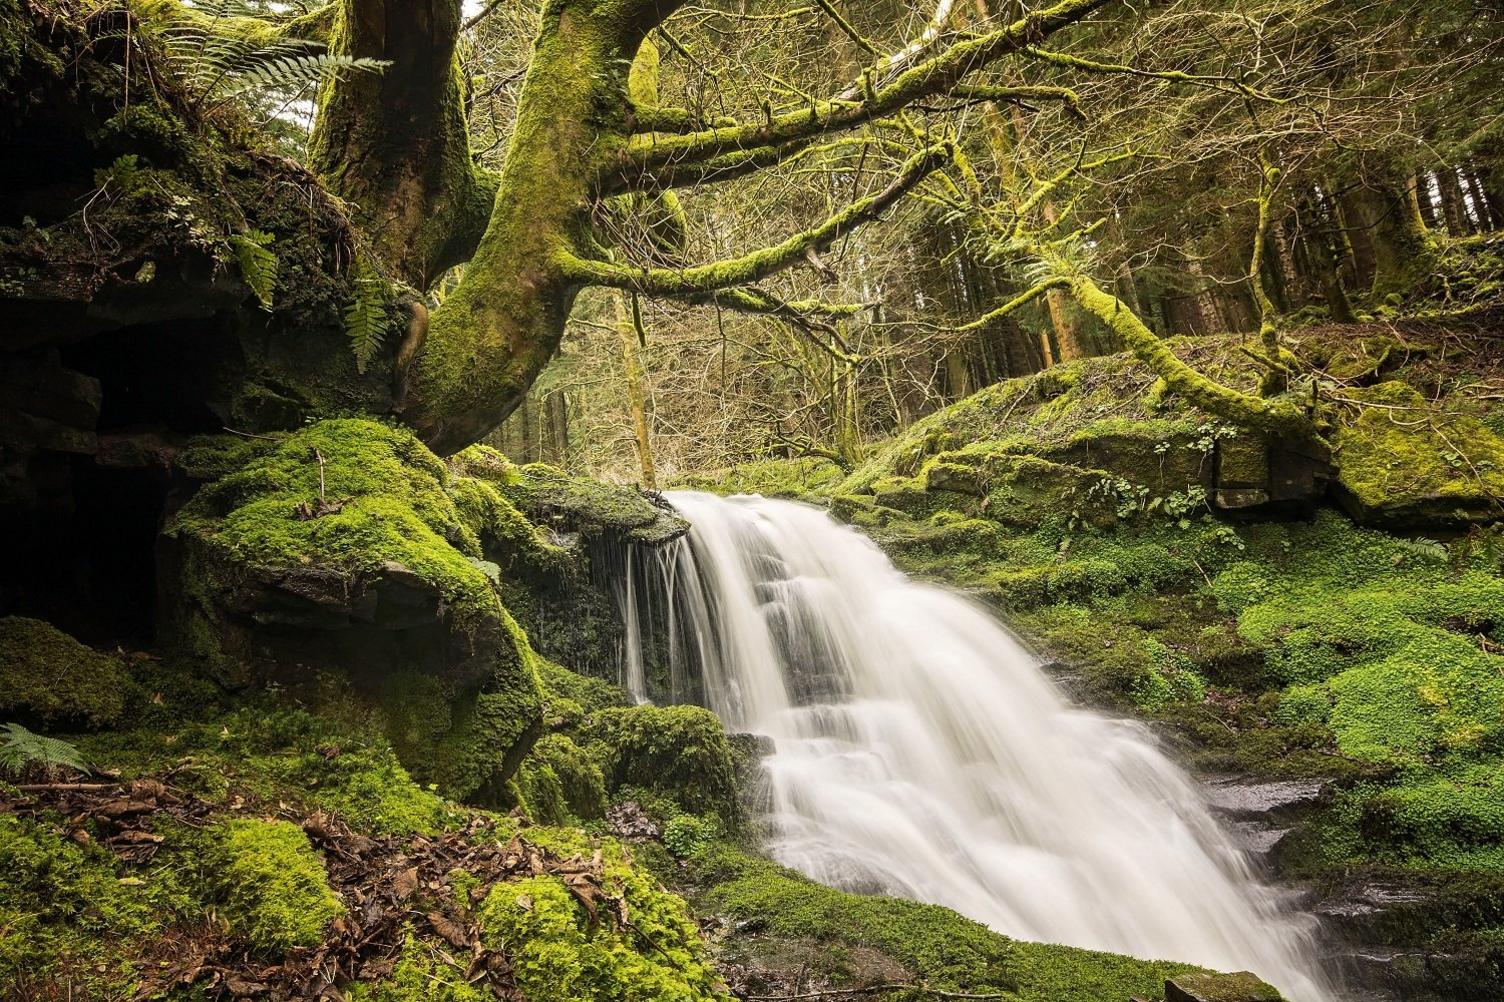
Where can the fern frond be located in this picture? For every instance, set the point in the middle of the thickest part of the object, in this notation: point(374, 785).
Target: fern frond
point(366, 317)
point(297, 72)
point(258, 266)
point(20, 749)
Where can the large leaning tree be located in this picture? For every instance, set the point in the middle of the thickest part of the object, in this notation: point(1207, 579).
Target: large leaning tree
point(588, 142)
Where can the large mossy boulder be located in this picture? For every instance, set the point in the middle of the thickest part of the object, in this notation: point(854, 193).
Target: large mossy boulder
point(1405, 462)
point(47, 677)
point(350, 550)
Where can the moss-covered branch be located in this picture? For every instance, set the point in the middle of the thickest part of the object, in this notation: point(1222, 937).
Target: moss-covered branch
point(313, 26)
point(644, 157)
point(1277, 416)
point(1022, 299)
point(758, 264)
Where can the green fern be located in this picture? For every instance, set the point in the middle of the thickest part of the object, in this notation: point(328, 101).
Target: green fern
point(1425, 549)
point(217, 66)
point(258, 266)
point(366, 317)
point(267, 71)
point(21, 749)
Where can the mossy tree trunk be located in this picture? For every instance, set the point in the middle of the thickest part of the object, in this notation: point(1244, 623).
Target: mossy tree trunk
point(395, 146)
point(395, 143)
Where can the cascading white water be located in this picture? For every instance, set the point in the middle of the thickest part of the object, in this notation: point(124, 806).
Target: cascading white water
point(920, 751)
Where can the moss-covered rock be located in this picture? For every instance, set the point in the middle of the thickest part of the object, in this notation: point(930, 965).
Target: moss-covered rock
point(1240, 987)
point(274, 889)
point(559, 783)
point(929, 944)
point(567, 504)
point(679, 752)
point(48, 677)
point(1405, 462)
point(350, 547)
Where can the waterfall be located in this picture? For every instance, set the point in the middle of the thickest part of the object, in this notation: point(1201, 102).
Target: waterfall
point(920, 751)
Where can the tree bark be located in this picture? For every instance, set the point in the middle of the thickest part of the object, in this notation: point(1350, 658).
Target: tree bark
point(395, 144)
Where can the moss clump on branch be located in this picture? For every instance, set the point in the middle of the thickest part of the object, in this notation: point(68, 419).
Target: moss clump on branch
point(274, 888)
point(47, 676)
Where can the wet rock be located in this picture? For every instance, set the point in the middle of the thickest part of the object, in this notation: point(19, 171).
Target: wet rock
point(1240, 987)
point(1250, 799)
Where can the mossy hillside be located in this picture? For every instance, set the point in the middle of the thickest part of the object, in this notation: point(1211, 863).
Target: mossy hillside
point(266, 752)
point(103, 922)
point(273, 885)
point(47, 677)
point(1083, 413)
point(935, 946)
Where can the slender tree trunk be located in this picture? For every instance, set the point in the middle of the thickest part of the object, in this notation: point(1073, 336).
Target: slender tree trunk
point(1488, 216)
point(1453, 208)
point(1359, 239)
point(1323, 243)
point(637, 397)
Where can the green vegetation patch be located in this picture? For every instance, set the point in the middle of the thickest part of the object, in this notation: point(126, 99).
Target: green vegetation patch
point(680, 752)
point(940, 948)
point(274, 889)
point(645, 948)
point(48, 677)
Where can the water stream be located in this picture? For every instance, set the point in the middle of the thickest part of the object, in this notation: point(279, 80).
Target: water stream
point(920, 751)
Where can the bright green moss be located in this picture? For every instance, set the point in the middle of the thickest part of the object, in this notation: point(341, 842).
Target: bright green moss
point(558, 782)
point(936, 945)
point(274, 889)
point(343, 765)
point(69, 916)
point(675, 751)
point(587, 693)
point(1404, 461)
point(391, 500)
point(48, 677)
point(559, 954)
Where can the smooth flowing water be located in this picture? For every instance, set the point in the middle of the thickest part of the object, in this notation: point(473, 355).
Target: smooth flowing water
point(920, 751)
